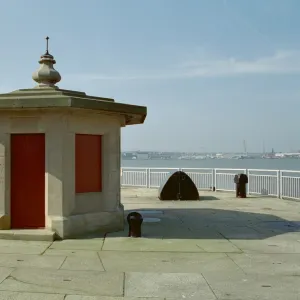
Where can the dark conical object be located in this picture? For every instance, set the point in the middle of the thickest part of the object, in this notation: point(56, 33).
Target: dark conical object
point(178, 186)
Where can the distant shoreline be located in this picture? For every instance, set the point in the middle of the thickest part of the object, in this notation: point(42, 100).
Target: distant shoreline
point(257, 163)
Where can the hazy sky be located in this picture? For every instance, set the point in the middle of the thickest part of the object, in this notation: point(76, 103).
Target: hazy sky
point(212, 73)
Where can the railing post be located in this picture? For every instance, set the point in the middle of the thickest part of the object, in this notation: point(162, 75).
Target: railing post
point(279, 184)
point(148, 172)
point(215, 179)
point(248, 185)
point(121, 176)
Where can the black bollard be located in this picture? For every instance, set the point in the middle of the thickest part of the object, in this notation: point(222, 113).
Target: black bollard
point(135, 221)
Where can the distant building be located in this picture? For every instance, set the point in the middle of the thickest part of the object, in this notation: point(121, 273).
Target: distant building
point(142, 155)
point(160, 155)
point(128, 155)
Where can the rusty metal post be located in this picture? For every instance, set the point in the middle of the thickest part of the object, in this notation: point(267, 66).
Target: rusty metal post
point(242, 190)
point(236, 180)
point(237, 190)
point(243, 183)
point(240, 181)
point(135, 221)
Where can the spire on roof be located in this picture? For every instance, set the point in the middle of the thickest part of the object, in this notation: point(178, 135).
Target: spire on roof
point(47, 45)
point(46, 75)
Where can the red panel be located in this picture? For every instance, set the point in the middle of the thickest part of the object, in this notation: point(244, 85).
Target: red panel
point(88, 175)
point(27, 181)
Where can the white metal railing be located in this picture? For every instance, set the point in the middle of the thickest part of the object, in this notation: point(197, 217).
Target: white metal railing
point(203, 178)
point(276, 183)
point(224, 179)
point(134, 177)
point(263, 182)
point(289, 184)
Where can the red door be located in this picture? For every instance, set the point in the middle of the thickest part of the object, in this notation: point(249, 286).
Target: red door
point(27, 181)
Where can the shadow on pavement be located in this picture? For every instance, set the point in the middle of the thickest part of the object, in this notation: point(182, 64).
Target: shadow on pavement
point(208, 198)
point(209, 224)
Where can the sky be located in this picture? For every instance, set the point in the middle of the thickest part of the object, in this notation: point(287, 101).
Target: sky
point(212, 73)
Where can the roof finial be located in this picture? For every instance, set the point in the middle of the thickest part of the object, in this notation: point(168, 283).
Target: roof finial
point(47, 44)
point(46, 75)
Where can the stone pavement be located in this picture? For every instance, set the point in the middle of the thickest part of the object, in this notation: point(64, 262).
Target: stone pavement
point(217, 248)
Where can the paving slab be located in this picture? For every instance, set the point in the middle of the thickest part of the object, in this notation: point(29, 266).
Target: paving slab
point(79, 244)
point(280, 233)
point(76, 297)
point(80, 263)
point(152, 230)
point(241, 232)
point(172, 285)
point(206, 233)
point(4, 295)
point(90, 283)
point(269, 264)
point(271, 233)
point(68, 252)
point(237, 286)
point(31, 261)
point(28, 235)
point(4, 273)
point(223, 246)
point(165, 262)
point(23, 247)
point(287, 236)
point(144, 244)
point(267, 246)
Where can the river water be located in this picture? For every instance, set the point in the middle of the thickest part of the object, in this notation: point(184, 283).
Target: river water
point(269, 164)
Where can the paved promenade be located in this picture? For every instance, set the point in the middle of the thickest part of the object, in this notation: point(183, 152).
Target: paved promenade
point(217, 248)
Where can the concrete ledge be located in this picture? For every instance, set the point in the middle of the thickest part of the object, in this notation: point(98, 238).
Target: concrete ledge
point(28, 235)
point(79, 225)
